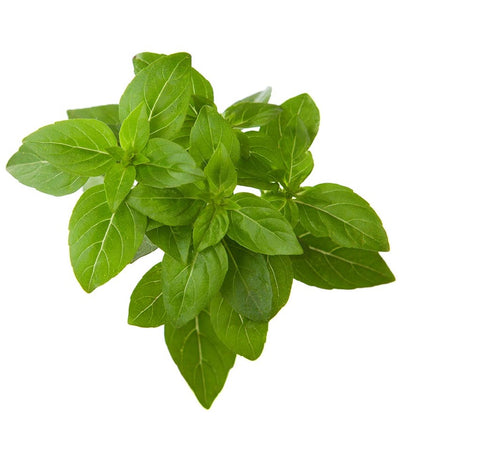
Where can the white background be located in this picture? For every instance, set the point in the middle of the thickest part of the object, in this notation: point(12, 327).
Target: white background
point(395, 366)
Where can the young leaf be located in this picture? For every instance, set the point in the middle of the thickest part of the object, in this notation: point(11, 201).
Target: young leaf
point(210, 227)
point(256, 225)
point(324, 264)
point(201, 357)
point(34, 171)
point(189, 287)
point(286, 206)
point(281, 277)
point(220, 172)
point(102, 242)
point(247, 286)
point(173, 240)
point(249, 115)
point(239, 334)
point(76, 146)
point(135, 130)
point(297, 161)
point(301, 107)
point(167, 206)
point(118, 182)
point(259, 97)
point(331, 210)
point(142, 60)
point(165, 87)
point(209, 132)
point(169, 165)
point(201, 87)
point(146, 303)
point(107, 114)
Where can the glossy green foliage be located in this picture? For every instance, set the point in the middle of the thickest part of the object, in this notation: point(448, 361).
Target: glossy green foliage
point(160, 173)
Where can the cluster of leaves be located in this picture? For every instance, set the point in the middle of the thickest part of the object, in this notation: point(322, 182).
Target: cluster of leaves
point(160, 170)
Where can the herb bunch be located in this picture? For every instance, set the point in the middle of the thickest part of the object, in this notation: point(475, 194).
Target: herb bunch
point(160, 169)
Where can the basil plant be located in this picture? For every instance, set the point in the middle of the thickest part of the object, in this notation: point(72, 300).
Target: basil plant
point(160, 170)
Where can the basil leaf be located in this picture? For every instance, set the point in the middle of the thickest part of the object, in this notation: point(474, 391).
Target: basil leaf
point(203, 360)
point(208, 133)
point(118, 182)
point(281, 278)
point(303, 107)
point(142, 60)
point(210, 227)
point(167, 206)
point(201, 87)
point(169, 165)
point(102, 242)
point(145, 248)
point(247, 285)
point(173, 240)
point(34, 171)
point(331, 210)
point(259, 97)
point(165, 87)
point(324, 264)
point(146, 303)
point(249, 115)
point(256, 225)
point(76, 146)
point(107, 114)
point(297, 161)
point(220, 172)
point(239, 334)
point(188, 287)
point(135, 130)
point(286, 206)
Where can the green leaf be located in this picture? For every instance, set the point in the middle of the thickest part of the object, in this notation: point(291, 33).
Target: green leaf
point(209, 132)
point(34, 171)
point(239, 334)
point(107, 114)
point(165, 87)
point(201, 87)
point(145, 248)
point(220, 172)
point(188, 287)
point(118, 182)
point(167, 206)
point(173, 240)
point(135, 130)
point(301, 107)
point(247, 286)
point(256, 225)
point(210, 227)
point(146, 303)
point(142, 60)
point(249, 115)
point(297, 161)
point(281, 279)
point(259, 97)
point(169, 165)
point(77, 146)
point(326, 265)
point(102, 242)
point(92, 182)
point(331, 210)
point(286, 206)
point(203, 360)
point(260, 169)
